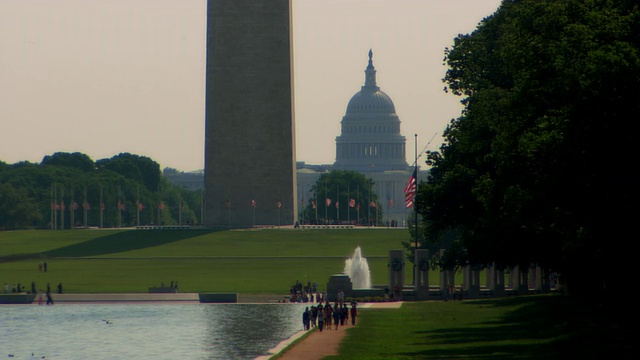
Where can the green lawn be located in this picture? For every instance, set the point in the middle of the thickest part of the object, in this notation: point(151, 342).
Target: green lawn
point(528, 327)
point(264, 261)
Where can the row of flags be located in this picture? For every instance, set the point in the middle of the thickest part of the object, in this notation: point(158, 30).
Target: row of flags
point(121, 206)
point(409, 191)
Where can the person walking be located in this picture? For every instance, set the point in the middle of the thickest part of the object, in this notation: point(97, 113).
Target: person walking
point(320, 318)
point(336, 315)
point(354, 313)
point(314, 315)
point(306, 318)
point(340, 297)
point(49, 298)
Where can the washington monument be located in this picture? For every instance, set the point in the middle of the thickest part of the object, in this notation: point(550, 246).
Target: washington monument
point(250, 175)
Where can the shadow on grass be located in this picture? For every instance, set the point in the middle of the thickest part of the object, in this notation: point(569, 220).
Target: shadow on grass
point(549, 327)
point(125, 241)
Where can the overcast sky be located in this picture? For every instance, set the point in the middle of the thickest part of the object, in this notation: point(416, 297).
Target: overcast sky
point(112, 76)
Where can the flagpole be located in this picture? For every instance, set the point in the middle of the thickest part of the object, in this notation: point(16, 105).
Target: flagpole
point(348, 204)
point(51, 207)
point(326, 196)
point(101, 209)
point(61, 207)
point(72, 212)
point(369, 207)
point(138, 206)
point(119, 207)
point(86, 205)
point(415, 211)
point(337, 204)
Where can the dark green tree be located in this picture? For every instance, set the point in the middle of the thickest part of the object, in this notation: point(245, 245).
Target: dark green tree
point(134, 167)
point(540, 166)
point(17, 209)
point(73, 160)
point(343, 196)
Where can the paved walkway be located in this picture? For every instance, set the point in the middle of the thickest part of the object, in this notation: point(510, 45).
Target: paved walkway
point(318, 344)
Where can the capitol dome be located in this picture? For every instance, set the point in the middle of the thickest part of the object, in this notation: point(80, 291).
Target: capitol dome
point(370, 100)
point(370, 139)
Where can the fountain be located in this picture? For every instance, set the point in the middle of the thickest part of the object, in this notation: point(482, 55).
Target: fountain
point(354, 281)
point(358, 270)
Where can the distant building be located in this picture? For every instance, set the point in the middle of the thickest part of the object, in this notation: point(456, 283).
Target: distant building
point(370, 143)
point(192, 180)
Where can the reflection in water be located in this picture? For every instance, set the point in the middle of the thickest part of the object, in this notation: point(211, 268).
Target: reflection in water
point(159, 331)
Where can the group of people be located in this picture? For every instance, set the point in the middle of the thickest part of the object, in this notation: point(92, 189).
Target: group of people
point(299, 293)
point(326, 316)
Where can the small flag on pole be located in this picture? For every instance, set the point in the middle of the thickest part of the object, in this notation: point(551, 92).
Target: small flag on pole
point(253, 203)
point(410, 190)
point(352, 202)
point(279, 204)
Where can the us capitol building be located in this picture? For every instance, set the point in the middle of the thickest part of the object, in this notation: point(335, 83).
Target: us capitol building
point(370, 143)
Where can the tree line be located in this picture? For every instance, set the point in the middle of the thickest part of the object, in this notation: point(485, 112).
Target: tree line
point(541, 166)
point(68, 190)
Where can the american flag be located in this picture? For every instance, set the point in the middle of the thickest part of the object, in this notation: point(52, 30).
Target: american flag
point(410, 189)
point(352, 202)
point(253, 203)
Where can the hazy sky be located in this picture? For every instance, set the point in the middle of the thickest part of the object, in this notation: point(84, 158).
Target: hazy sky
point(112, 76)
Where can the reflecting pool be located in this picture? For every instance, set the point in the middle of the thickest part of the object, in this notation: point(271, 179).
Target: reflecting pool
point(145, 331)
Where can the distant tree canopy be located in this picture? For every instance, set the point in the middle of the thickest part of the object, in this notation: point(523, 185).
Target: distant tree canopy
point(75, 160)
point(134, 167)
point(541, 166)
point(341, 197)
point(125, 190)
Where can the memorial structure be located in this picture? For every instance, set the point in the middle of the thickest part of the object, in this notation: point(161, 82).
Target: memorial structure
point(250, 175)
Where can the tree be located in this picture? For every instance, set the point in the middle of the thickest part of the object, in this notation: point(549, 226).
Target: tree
point(341, 196)
point(538, 167)
point(134, 167)
point(74, 160)
point(17, 210)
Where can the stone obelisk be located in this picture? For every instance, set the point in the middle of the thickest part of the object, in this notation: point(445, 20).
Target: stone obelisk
point(250, 162)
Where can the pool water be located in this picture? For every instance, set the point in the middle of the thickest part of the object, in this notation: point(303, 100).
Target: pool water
point(145, 331)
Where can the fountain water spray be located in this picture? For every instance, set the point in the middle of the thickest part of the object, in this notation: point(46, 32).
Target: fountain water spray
point(358, 270)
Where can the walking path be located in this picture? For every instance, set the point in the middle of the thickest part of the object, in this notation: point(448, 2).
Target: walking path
point(318, 344)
